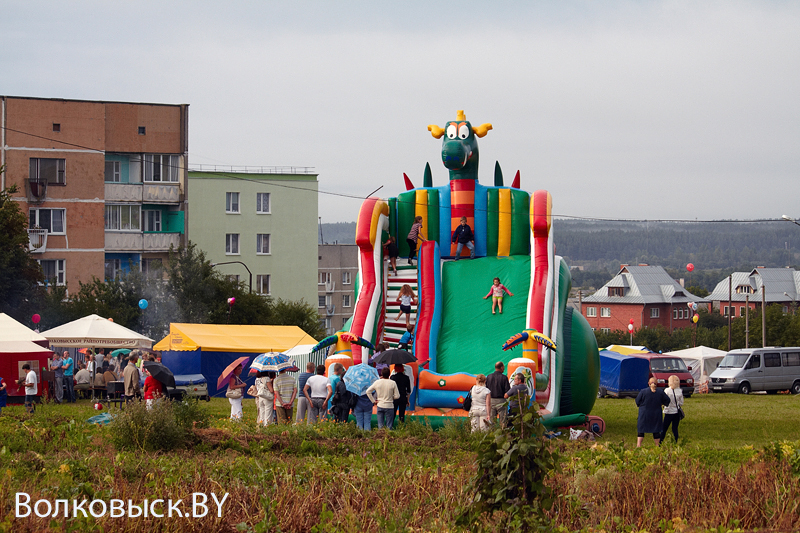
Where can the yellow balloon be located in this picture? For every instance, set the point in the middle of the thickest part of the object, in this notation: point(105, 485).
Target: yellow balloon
point(695, 319)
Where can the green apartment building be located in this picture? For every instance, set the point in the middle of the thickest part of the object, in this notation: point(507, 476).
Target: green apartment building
point(265, 218)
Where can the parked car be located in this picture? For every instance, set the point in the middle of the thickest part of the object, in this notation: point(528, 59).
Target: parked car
point(664, 366)
point(758, 369)
point(193, 385)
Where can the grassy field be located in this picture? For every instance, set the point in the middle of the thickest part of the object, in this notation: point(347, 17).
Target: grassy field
point(738, 466)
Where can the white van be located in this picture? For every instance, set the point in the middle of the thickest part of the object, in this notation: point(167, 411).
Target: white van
point(758, 369)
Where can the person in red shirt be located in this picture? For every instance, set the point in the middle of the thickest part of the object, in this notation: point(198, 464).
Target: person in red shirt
point(153, 389)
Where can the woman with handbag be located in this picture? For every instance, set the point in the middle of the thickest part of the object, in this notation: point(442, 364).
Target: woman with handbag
point(481, 404)
point(264, 397)
point(235, 393)
point(673, 413)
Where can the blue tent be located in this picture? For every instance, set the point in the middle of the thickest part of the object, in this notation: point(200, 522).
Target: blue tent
point(622, 375)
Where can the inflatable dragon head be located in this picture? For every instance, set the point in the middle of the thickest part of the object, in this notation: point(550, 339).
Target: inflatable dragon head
point(460, 146)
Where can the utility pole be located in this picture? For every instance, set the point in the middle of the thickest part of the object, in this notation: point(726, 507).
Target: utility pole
point(747, 321)
point(730, 304)
point(763, 315)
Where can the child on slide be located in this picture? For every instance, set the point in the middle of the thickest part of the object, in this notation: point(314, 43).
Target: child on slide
point(391, 252)
point(406, 298)
point(496, 292)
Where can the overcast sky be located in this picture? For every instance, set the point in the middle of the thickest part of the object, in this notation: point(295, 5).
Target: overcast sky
point(641, 110)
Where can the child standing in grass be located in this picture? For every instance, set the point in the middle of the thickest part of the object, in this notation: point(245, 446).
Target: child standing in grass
point(406, 298)
point(496, 292)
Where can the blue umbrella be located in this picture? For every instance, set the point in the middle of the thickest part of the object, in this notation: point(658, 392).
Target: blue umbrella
point(272, 362)
point(358, 378)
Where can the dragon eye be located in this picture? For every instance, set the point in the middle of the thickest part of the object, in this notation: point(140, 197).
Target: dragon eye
point(463, 131)
point(451, 131)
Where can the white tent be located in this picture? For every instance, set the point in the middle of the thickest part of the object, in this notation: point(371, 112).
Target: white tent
point(11, 330)
point(703, 360)
point(96, 332)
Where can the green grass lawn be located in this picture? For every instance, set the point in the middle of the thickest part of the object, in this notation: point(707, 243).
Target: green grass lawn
point(721, 421)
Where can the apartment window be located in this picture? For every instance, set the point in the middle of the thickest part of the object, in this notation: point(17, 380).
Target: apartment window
point(262, 203)
point(616, 291)
point(54, 271)
point(327, 324)
point(675, 313)
point(324, 277)
point(726, 310)
point(113, 268)
point(344, 322)
point(231, 202)
point(56, 127)
point(347, 278)
point(50, 219)
point(232, 244)
point(262, 283)
point(591, 311)
point(605, 330)
point(742, 310)
point(112, 173)
point(152, 267)
point(262, 243)
point(233, 278)
point(655, 312)
point(142, 130)
point(605, 312)
point(152, 220)
point(53, 171)
point(122, 217)
point(322, 301)
point(346, 300)
point(158, 167)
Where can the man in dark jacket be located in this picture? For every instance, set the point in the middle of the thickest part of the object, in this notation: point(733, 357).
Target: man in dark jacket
point(463, 235)
point(498, 385)
point(341, 396)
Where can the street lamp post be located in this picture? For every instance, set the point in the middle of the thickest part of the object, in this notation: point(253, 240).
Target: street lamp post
point(245, 267)
point(790, 219)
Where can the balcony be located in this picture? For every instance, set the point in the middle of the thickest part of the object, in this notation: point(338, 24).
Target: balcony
point(330, 286)
point(37, 190)
point(37, 240)
point(123, 242)
point(160, 242)
point(157, 193)
point(330, 310)
point(123, 192)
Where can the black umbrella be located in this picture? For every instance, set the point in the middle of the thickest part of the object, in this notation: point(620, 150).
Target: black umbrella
point(160, 373)
point(394, 357)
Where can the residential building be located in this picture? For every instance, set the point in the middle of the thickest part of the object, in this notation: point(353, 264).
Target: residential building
point(263, 219)
point(338, 267)
point(643, 293)
point(103, 182)
point(778, 285)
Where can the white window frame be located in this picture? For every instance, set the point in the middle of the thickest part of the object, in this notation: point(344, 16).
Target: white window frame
point(233, 277)
point(60, 266)
point(347, 300)
point(232, 244)
point(328, 325)
point(260, 248)
point(655, 312)
point(166, 164)
point(321, 301)
point(726, 310)
point(324, 277)
point(156, 220)
point(347, 278)
point(260, 203)
point(605, 330)
point(261, 281)
point(116, 267)
point(232, 205)
point(111, 222)
point(34, 212)
point(742, 310)
point(116, 172)
point(591, 312)
point(605, 312)
point(35, 173)
point(149, 267)
point(675, 311)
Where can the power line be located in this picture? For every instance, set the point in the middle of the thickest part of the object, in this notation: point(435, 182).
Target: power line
point(356, 197)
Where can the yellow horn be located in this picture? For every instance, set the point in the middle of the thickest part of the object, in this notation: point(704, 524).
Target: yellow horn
point(436, 131)
point(460, 116)
point(482, 130)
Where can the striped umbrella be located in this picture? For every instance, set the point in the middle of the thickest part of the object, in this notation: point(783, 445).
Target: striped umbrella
point(272, 362)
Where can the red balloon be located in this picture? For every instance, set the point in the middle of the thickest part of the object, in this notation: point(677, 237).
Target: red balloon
point(690, 267)
point(36, 318)
point(631, 321)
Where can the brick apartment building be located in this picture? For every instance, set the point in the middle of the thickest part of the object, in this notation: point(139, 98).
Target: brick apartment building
point(643, 293)
point(103, 183)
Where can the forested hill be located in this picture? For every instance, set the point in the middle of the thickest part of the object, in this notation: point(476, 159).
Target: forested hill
point(715, 248)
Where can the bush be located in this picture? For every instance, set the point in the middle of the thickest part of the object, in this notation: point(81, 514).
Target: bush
point(190, 414)
point(137, 428)
point(513, 465)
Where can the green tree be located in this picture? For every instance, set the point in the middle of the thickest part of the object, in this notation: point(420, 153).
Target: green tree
point(20, 274)
point(298, 313)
